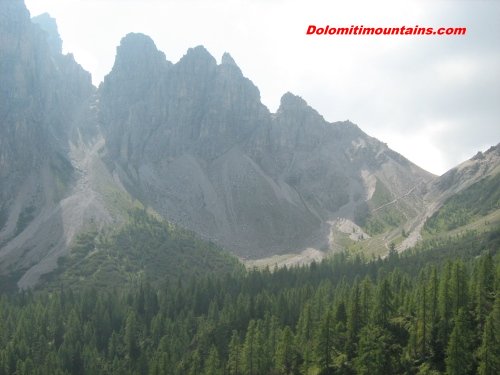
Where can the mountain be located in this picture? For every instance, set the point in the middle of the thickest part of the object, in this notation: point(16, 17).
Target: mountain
point(191, 144)
point(463, 199)
point(45, 110)
point(193, 141)
point(467, 196)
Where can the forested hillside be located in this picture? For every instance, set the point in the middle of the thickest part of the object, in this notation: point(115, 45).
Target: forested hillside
point(145, 245)
point(470, 204)
point(433, 310)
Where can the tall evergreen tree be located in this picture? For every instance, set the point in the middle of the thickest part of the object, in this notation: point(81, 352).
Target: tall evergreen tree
point(489, 352)
point(433, 292)
point(325, 341)
point(234, 365)
point(353, 320)
point(484, 293)
point(383, 303)
point(212, 363)
point(131, 336)
point(458, 286)
point(445, 312)
point(286, 354)
point(251, 350)
point(305, 328)
point(366, 299)
point(459, 360)
point(423, 316)
point(373, 353)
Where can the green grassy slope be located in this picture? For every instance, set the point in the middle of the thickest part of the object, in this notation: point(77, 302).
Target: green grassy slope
point(475, 202)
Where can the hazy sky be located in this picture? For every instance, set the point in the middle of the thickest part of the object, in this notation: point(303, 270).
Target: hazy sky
point(436, 100)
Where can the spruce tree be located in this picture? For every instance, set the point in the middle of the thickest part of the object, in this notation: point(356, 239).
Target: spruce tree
point(131, 336)
point(325, 341)
point(353, 320)
point(234, 361)
point(305, 337)
point(459, 360)
point(484, 288)
point(286, 353)
point(212, 363)
point(383, 303)
point(458, 286)
point(250, 350)
point(423, 318)
point(373, 352)
point(445, 313)
point(489, 352)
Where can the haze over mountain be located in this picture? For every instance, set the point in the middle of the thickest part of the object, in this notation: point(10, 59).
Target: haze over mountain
point(193, 143)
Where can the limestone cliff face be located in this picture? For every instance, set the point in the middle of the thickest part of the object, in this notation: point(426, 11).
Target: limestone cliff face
point(193, 140)
point(193, 106)
point(41, 96)
point(45, 107)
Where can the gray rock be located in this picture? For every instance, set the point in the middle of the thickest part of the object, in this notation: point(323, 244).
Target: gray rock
point(197, 145)
point(191, 140)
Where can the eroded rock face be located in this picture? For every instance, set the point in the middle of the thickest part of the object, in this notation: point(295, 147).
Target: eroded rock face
point(44, 103)
point(191, 140)
point(196, 143)
point(41, 96)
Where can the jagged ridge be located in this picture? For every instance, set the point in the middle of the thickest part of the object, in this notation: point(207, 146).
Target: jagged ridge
point(193, 141)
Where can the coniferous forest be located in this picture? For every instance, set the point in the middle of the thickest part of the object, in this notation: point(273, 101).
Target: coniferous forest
point(432, 310)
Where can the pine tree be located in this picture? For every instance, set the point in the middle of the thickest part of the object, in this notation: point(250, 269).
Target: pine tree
point(445, 313)
point(353, 320)
point(286, 353)
point(305, 337)
point(383, 303)
point(325, 341)
point(195, 364)
point(250, 350)
point(212, 363)
point(423, 317)
point(131, 336)
point(71, 348)
point(459, 358)
point(489, 352)
point(271, 328)
point(234, 361)
point(366, 299)
point(261, 357)
point(484, 288)
point(373, 353)
point(458, 286)
point(433, 290)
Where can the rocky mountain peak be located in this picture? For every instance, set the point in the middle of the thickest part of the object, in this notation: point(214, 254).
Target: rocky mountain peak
point(13, 16)
point(49, 26)
point(295, 111)
point(197, 60)
point(191, 140)
point(289, 100)
point(138, 52)
point(227, 59)
point(228, 64)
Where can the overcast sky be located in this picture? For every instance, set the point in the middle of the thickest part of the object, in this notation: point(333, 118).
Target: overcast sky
point(436, 100)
